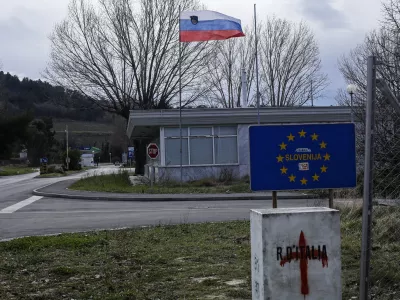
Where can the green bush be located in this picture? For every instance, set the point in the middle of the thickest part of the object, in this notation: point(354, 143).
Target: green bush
point(75, 159)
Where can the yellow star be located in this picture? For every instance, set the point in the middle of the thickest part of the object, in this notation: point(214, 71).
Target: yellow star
point(327, 157)
point(283, 146)
point(324, 169)
point(292, 178)
point(280, 158)
point(304, 181)
point(314, 137)
point(316, 177)
point(302, 133)
point(284, 170)
point(323, 145)
point(291, 137)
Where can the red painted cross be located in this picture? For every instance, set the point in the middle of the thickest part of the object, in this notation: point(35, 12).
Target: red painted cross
point(302, 256)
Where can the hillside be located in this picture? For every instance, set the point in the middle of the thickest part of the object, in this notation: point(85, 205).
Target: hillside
point(85, 133)
point(44, 100)
point(87, 124)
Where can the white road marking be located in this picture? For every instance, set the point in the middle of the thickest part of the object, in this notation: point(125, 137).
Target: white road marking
point(19, 205)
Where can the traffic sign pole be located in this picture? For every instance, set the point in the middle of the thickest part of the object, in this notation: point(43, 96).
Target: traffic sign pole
point(330, 198)
point(152, 152)
point(274, 199)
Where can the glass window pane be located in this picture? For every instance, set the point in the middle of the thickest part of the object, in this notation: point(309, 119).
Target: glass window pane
point(225, 130)
point(172, 152)
point(201, 151)
point(202, 131)
point(226, 150)
point(175, 131)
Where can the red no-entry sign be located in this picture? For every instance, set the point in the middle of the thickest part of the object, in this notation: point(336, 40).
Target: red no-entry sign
point(152, 151)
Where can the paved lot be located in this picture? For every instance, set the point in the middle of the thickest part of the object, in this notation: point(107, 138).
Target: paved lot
point(22, 214)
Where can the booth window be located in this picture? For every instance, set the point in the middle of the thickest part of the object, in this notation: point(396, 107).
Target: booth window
point(201, 145)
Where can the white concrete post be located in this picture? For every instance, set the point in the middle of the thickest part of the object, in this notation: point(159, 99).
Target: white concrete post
point(295, 254)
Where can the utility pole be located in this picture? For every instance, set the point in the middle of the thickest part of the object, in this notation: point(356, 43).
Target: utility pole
point(66, 132)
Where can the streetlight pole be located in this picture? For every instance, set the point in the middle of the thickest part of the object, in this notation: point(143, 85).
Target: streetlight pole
point(351, 89)
point(351, 105)
point(110, 158)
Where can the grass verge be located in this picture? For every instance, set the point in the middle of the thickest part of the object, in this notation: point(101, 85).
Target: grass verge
point(55, 175)
point(16, 170)
point(120, 183)
point(203, 261)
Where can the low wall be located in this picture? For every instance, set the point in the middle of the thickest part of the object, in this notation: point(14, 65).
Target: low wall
point(193, 172)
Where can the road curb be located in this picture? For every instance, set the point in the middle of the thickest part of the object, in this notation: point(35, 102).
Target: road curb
point(169, 198)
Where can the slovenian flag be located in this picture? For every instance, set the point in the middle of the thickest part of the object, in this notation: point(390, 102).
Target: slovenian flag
point(206, 25)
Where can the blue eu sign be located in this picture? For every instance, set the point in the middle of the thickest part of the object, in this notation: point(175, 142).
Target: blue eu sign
point(308, 156)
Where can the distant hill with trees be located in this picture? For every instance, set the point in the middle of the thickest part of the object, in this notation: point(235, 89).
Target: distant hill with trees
point(29, 108)
point(44, 100)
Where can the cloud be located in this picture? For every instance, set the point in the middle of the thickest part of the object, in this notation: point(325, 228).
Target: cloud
point(324, 13)
point(23, 49)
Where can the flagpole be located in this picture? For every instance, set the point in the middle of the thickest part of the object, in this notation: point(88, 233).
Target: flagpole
point(180, 93)
point(256, 41)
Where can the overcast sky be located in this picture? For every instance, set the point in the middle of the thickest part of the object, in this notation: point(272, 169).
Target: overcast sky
point(339, 26)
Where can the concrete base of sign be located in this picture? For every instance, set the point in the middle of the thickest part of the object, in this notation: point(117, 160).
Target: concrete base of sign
point(295, 254)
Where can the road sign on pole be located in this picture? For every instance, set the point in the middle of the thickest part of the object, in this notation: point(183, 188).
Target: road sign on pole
point(302, 157)
point(131, 151)
point(152, 151)
point(43, 165)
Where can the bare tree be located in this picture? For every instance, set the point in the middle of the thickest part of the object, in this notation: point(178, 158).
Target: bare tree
point(385, 44)
point(124, 55)
point(225, 69)
point(290, 66)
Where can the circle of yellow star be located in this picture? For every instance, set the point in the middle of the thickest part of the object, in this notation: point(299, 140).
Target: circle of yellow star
point(292, 178)
point(304, 181)
point(302, 133)
point(284, 170)
point(316, 177)
point(327, 157)
point(291, 137)
point(314, 137)
point(280, 158)
point(283, 146)
point(323, 145)
point(324, 169)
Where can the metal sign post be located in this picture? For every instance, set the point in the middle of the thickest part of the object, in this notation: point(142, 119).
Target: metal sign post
point(274, 199)
point(152, 152)
point(43, 165)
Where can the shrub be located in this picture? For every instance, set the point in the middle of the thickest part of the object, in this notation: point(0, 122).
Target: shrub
point(75, 159)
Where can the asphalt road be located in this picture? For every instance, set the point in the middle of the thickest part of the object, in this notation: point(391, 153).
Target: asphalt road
point(21, 214)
